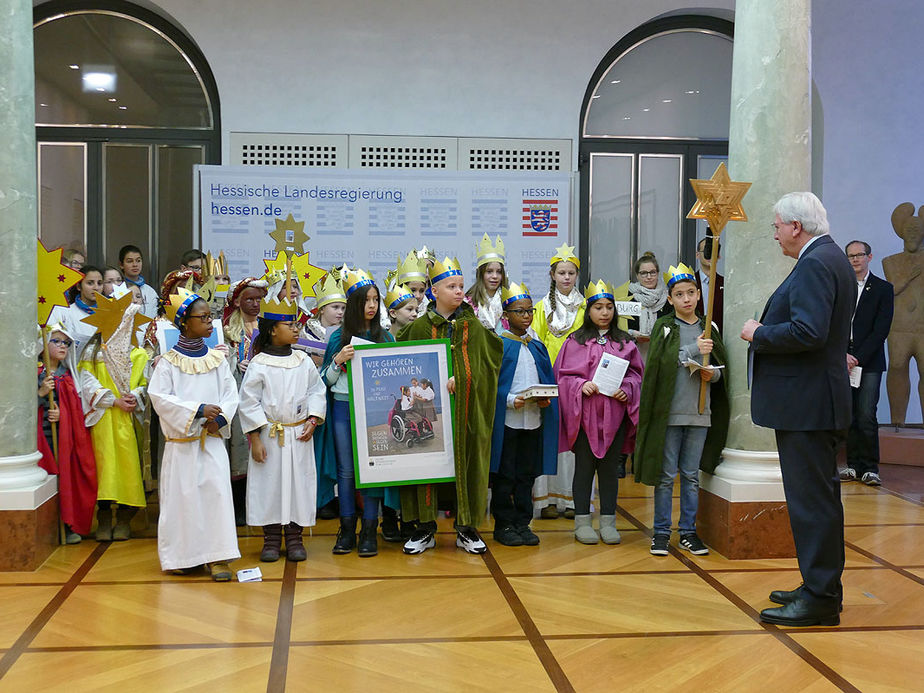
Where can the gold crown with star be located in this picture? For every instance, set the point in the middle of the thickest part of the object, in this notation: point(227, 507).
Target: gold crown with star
point(355, 279)
point(513, 292)
point(488, 252)
point(329, 290)
point(397, 296)
point(444, 269)
point(412, 269)
point(282, 310)
point(565, 253)
point(179, 303)
point(680, 273)
point(599, 289)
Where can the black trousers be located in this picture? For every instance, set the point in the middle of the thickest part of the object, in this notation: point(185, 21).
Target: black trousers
point(816, 515)
point(512, 484)
point(607, 469)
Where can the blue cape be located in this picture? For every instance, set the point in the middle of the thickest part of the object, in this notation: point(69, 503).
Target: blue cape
point(548, 461)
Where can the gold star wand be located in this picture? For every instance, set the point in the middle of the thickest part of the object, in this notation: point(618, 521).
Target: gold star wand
point(718, 201)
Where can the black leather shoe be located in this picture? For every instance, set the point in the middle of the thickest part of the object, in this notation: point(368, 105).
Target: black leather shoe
point(800, 613)
point(346, 537)
point(786, 596)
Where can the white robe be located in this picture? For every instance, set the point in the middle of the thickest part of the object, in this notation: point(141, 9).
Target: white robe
point(283, 389)
point(196, 508)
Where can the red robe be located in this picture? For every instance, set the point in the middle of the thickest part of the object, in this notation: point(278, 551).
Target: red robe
point(76, 465)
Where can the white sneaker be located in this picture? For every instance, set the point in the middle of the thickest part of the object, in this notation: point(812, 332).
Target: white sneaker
point(469, 540)
point(420, 541)
point(848, 474)
point(871, 479)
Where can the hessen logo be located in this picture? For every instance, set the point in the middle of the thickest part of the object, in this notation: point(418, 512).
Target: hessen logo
point(540, 217)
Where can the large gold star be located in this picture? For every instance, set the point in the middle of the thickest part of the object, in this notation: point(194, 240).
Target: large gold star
point(53, 280)
point(108, 314)
point(718, 200)
point(289, 235)
point(307, 274)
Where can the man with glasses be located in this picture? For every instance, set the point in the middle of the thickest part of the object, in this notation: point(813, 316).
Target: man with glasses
point(871, 323)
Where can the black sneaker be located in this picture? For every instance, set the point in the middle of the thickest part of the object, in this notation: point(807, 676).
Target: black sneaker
point(530, 538)
point(422, 539)
point(468, 539)
point(508, 536)
point(660, 544)
point(390, 531)
point(692, 543)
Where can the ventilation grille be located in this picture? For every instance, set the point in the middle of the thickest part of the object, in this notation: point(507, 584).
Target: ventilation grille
point(378, 151)
point(515, 155)
point(271, 149)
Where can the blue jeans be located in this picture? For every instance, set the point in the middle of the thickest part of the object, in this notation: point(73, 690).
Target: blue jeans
point(683, 448)
point(863, 436)
point(346, 476)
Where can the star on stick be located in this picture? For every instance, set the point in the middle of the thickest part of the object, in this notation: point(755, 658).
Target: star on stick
point(289, 235)
point(307, 274)
point(718, 200)
point(53, 280)
point(108, 314)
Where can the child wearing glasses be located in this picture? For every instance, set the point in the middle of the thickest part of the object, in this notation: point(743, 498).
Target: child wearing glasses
point(195, 396)
point(524, 442)
point(283, 400)
point(73, 460)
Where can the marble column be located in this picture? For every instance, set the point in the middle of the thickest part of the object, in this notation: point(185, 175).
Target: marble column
point(770, 144)
point(28, 509)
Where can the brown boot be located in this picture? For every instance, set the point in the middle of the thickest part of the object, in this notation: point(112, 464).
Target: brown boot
point(104, 523)
point(123, 530)
point(272, 542)
point(295, 549)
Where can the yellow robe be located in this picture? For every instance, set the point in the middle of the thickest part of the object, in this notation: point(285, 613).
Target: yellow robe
point(540, 326)
point(118, 465)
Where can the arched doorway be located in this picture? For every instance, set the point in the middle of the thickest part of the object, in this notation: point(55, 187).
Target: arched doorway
point(125, 106)
point(654, 115)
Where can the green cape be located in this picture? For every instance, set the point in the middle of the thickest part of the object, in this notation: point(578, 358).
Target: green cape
point(657, 393)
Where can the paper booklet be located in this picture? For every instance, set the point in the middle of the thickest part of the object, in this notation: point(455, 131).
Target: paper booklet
point(855, 374)
point(359, 340)
point(610, 372)
point(250, 575)
point(539, 391)
point(697, 366)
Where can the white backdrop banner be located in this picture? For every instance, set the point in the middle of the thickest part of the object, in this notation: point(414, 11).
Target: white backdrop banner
point(370, 218)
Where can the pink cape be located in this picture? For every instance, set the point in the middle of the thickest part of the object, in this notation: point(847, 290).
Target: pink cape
point(600, 416)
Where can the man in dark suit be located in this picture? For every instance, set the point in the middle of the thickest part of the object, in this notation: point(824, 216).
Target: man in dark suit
point(801, 389)
point(709, 250)
point(871, 323)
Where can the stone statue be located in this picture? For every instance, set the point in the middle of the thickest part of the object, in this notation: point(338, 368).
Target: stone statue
point(906, 340)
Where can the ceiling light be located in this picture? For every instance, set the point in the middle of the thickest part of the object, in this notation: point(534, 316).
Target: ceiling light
point(123, 108)
point(616, 81)
point(595, 96)
point(44, 104)
point(626, 118)
point(99, 80)
point(74, 67)
point(112, 100)
point(645, 110)
point(666, 100)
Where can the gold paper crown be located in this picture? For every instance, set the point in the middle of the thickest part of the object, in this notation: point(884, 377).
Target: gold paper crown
point(397, 296)
point(491, 253)
point(513, 292)
point(676, 274)
point(412, 269)
point(355, 279)
point(425, 254)
point(284, 310)
point(216, 266)
point(444, 269)
point(329, 290)
point(599, 289)
point(565, 254)
point(179, 304)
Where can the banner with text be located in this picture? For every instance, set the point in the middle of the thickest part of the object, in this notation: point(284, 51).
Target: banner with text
point(370, 218)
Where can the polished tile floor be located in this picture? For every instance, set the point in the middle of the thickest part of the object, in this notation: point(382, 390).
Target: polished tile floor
point(558, 617)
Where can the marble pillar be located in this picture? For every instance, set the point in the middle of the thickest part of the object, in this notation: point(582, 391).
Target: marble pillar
point(742, 507)
point(28, 510)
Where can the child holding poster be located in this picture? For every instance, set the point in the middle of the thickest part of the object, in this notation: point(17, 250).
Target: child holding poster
point(525, 439)
point(597, 427)
point(360, 320)
point(476, 352)
point(674, 436)
point(282, 398)
point(558, 314)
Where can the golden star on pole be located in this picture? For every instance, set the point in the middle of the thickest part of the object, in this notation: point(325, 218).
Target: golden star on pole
point(289, 235)
point(53, 280)
point(718, 200)
point(108, 314)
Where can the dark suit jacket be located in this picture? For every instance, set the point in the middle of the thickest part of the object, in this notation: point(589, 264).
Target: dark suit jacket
point(718, 302)
point(871, 324)
point(799, 353)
